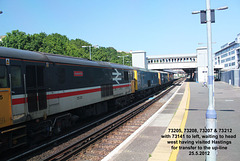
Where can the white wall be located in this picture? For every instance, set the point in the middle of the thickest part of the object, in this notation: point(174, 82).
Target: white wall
point(202, 64)
point(139, 59)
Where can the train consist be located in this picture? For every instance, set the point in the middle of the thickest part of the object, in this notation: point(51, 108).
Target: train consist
point(41, 94)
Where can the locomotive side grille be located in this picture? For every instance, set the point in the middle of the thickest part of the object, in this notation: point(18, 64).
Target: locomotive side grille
point(106, 90)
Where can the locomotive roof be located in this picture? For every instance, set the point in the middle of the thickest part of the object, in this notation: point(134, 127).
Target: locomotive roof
point(40, 56)
point(81, 61)
point(21, 54)
point(147, 70)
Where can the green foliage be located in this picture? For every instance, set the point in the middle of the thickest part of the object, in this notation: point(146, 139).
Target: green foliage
point(36, 42)
point(16, 39)
point(60, 44)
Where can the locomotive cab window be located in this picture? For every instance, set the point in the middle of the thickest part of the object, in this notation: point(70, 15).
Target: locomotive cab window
point(16, 78)
point(3, 77)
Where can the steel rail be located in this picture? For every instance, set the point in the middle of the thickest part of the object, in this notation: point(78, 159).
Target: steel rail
point(78, 146)
point(89, 138)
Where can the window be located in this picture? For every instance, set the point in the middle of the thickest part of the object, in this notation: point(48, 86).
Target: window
point(224, 55)
point(126, 76)
point(3, 77)
point(16, 77)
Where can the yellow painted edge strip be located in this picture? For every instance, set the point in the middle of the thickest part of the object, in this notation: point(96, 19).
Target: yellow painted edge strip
point(173, 156)
point(163, 149)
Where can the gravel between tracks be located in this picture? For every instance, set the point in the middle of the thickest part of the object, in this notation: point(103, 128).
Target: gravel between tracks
point(105, 145)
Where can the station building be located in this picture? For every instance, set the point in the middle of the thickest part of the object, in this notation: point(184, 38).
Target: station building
point(226, 63)
point(193, 64)
point(229, 55)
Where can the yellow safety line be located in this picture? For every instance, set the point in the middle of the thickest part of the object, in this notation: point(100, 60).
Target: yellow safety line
point(163, 150)
point(174, 153)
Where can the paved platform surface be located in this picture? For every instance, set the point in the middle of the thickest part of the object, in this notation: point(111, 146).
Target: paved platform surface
point(186, 110)
point(227, 105)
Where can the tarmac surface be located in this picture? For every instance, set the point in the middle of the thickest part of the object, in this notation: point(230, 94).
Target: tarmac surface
point(160, 138)
point(227, 106)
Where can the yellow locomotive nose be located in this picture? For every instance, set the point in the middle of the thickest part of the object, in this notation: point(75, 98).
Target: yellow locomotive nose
point(5, 107)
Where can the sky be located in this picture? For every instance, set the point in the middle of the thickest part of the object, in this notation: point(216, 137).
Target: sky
point(159, 27)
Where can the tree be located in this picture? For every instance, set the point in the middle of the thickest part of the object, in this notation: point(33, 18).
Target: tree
point(76, 48)
point(79, 43)
point(55, 44)
point(60, 44)
point(16, 39)
point(36, 42)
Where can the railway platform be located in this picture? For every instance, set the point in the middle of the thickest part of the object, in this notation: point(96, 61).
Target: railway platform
point(177, 131)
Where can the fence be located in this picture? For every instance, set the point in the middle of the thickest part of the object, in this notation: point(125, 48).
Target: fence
point(231, 77)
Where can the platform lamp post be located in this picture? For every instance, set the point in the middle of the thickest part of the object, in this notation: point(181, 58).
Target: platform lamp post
point(95, 46)
point(123, 57)
point(89, 50)
point(208, 17)
point(130, 63)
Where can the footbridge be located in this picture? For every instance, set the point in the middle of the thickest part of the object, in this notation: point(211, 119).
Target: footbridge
point(194, 64)
point(186, 62)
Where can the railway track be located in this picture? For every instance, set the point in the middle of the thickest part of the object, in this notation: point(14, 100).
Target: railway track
point(88, 145)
